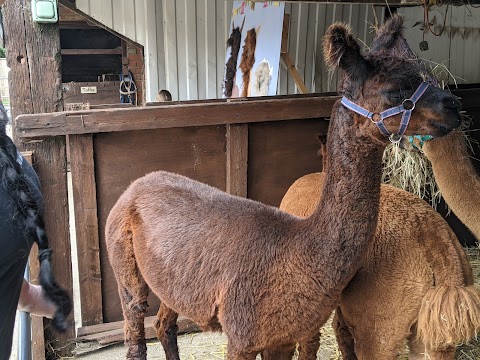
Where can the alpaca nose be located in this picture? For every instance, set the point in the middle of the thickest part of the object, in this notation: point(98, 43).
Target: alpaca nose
point(452, 103)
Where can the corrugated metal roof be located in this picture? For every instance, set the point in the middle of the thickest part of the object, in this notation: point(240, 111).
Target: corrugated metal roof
point(185, 40)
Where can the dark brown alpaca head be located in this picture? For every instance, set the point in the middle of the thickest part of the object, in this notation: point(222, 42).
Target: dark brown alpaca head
point(385, 76)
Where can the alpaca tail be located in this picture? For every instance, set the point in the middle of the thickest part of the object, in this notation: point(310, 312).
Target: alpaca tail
point(52, 290)
point(449, 315)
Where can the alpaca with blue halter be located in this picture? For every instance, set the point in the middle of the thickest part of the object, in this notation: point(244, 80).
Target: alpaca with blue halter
point(406, 107)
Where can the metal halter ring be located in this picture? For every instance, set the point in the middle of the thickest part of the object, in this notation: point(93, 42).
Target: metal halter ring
point(408, 104)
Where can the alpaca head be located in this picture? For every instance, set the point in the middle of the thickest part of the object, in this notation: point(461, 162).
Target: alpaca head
point(384, 78)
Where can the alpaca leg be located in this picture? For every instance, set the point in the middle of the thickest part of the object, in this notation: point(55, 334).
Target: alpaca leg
point(283, 353)
point(233, 353)
point(132, 289)
point(344, 337)
point(166, 326)
point(134, 305)
point(308, 350)
point(369, 347)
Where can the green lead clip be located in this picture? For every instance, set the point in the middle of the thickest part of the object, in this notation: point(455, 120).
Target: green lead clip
point(422, 139)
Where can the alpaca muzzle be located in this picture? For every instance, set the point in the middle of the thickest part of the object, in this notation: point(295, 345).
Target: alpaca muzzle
point(406, 107)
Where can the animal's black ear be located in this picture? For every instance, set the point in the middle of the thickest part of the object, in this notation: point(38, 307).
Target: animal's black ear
point(389, 39)
point(340, 50)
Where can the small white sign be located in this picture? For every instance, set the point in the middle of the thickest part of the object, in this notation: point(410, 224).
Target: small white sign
point(88, 89)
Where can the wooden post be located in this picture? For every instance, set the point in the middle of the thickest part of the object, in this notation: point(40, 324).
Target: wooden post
point(86, 220)
point(237, 159)
point(35, 83)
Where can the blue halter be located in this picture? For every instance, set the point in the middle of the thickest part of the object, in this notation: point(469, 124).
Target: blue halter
point(406, 107)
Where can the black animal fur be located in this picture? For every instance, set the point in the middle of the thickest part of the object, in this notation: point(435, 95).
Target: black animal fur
point(13, 179)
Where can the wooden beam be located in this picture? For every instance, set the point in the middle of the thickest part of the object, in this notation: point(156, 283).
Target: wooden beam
point(111, 333)
point(293, 70)
point(86, 225)
point(180, 115)
point(116, 51)
point(33, 56)
point(237, 159)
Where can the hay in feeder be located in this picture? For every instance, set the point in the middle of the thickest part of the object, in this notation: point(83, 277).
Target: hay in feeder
point(410, 171)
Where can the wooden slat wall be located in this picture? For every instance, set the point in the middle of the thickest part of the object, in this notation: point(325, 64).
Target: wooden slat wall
point(122, 157)
point(279, 153)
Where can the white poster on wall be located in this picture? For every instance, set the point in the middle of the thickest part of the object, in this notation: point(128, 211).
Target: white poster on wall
point(253, 49)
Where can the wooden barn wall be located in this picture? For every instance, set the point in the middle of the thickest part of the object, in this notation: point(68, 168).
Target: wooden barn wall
point(278, 153)
point(185, 41)
point(122, 157)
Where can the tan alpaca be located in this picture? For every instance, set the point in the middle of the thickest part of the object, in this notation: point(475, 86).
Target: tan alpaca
point(413, 249)
point(456, 178)
point(266, 278)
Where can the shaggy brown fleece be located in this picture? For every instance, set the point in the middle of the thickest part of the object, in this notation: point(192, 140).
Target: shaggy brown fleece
point(231, 67)
point(248, 59)
point(456, 177)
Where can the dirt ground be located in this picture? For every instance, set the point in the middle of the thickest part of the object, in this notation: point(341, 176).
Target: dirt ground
point(198, 346)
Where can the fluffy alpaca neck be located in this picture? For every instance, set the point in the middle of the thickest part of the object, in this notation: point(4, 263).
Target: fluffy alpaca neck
point(346, 217)
point(456, 177)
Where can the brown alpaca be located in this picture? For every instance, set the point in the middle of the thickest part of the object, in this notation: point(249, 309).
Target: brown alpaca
point(248, 59)
point(456, 177)
point(231, 66)
point(266, 278)
point(391, 296)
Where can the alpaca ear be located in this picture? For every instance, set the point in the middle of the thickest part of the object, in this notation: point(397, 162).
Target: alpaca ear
point(340, 50)
point(389, 39)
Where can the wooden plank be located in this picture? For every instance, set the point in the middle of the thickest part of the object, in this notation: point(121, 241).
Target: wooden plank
point(237, 159)
point(122, 157)
point(33, 56)
point(105, 333)
point(107, 92)
point(116, 51)
point(38, 340)
point(86, 225)
point(293, 70)
point(275, 147)
point(95, 341)
point(166, 116)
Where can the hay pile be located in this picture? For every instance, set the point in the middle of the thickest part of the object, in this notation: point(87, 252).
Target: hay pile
point(410, 171)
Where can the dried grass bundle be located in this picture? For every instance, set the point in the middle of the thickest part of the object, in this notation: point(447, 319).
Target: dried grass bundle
point(410, 171)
